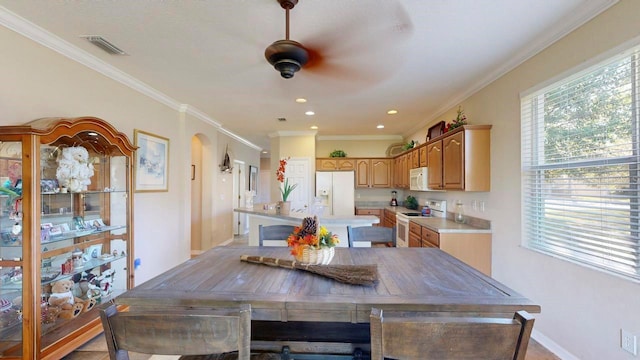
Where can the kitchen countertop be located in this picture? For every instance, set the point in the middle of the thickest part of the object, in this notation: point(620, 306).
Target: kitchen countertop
point(356, 220)
point(440, 225)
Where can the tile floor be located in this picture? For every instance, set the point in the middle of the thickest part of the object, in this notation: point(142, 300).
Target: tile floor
point(96, 349)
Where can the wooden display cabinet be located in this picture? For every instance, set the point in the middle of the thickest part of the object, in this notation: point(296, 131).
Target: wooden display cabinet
point(48, 233)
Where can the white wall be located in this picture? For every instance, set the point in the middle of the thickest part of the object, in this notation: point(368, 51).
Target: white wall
point(38, 82)
point(582, 309)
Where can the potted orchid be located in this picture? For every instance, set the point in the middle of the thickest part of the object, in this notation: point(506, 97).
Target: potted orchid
point(286, 187)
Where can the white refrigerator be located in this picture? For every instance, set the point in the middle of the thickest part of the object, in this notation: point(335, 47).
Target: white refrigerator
point(336, 192)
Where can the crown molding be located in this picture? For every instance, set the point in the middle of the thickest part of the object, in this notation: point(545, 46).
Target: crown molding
point(190, 110)
point(43, 37)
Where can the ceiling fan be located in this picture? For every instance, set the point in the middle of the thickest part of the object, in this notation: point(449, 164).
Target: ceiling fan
point(338, 52)
point(287, 56)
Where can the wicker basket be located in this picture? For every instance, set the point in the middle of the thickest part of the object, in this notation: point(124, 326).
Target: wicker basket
point(313, 256)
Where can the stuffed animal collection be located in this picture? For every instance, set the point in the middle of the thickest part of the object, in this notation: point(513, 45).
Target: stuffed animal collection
point(62, 298)
point(74, 168)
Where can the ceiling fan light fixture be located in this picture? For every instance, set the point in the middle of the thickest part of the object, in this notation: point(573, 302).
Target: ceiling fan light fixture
point(286, 56)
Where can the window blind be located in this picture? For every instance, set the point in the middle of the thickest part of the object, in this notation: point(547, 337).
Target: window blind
point(581, 167)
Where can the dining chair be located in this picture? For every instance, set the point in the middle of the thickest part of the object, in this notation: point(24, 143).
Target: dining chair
point(196, 333)
point(373, 234)
point(411, 336)
point(274, 232)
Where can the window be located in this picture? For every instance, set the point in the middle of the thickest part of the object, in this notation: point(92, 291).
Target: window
point(581, 167)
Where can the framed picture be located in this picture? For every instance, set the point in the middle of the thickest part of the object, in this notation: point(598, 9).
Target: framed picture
point(435, 131)
point(78, 223)
point(253, 179)
point(48, 186)
point(151, 162)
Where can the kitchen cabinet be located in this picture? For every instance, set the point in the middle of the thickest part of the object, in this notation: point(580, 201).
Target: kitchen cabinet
point(373, 173)
point(374, 212)
point(415, 235)
point(389, 218)
point(401, 171)
point(434, 156)
point(430, 238)
point(460, 159)
point(423, 155)
point(470, 247)
point(415, 158)
point(333, 164)
point(81, 232)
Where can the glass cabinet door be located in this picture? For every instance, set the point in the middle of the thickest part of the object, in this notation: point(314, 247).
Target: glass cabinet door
point(11, 242)
point(84, 228)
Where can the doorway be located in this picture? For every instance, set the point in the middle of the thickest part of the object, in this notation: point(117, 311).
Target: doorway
point(201, 198)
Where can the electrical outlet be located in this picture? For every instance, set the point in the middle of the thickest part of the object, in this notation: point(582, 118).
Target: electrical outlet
point(628, 342)
point(482, 206)
point(474, 205)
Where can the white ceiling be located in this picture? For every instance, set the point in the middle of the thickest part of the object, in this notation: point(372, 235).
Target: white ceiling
point(420, 57)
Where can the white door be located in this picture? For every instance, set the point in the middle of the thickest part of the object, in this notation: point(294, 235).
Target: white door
point(297, 172)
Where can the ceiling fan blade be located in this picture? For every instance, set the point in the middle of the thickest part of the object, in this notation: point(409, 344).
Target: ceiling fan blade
point(366, 29)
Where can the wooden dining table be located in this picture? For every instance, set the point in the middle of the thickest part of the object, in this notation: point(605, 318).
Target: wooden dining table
point(311, 313)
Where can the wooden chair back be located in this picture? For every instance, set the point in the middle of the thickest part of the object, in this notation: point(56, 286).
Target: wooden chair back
point(177, 331)
point(274, 232)
point(412, 336)
point(373, 234)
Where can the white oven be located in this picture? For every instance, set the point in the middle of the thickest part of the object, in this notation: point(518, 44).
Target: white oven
point(402, 231)
point(438, 209)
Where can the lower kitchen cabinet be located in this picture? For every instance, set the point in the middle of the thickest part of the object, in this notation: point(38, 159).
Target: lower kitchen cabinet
point(374, 212)
point(474, 249)
point(389, 218)
point(415, 235)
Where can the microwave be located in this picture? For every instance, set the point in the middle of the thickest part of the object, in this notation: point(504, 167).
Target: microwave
point(418, 179)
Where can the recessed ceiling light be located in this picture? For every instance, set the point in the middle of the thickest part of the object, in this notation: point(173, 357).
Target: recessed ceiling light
point(392, 112)
point(314, 127)
point(301, 100)
point(380, 126)
point(264, 151)
point(309, 113)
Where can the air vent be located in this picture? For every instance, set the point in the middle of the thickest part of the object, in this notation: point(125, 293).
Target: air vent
point(282, 119)
point(104, 44)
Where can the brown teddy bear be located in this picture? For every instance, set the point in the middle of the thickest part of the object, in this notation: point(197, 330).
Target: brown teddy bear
point(69, 305)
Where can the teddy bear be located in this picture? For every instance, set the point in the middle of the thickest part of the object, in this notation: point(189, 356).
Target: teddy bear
point(74, 168)
point(69, 305)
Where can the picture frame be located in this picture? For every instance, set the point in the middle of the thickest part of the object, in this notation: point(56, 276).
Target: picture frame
point(253, 179)
point(435, 131)
point(78, 223)
point(151, 166)
point(49, 186)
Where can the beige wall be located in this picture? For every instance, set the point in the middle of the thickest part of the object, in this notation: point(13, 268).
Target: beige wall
point(582, 309)
point(355, 148)
point(38, 82)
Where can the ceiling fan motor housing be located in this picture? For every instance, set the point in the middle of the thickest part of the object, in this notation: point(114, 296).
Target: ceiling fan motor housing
point(286, 56)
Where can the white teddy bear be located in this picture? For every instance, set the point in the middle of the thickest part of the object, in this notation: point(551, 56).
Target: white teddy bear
point(74, 169)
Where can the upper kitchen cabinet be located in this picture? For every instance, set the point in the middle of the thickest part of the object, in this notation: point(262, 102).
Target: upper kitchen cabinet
point(401, 171)
point(66, 226)
point(460, 159)
point(335, 164)
point(422, 150)
point(373, 173)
